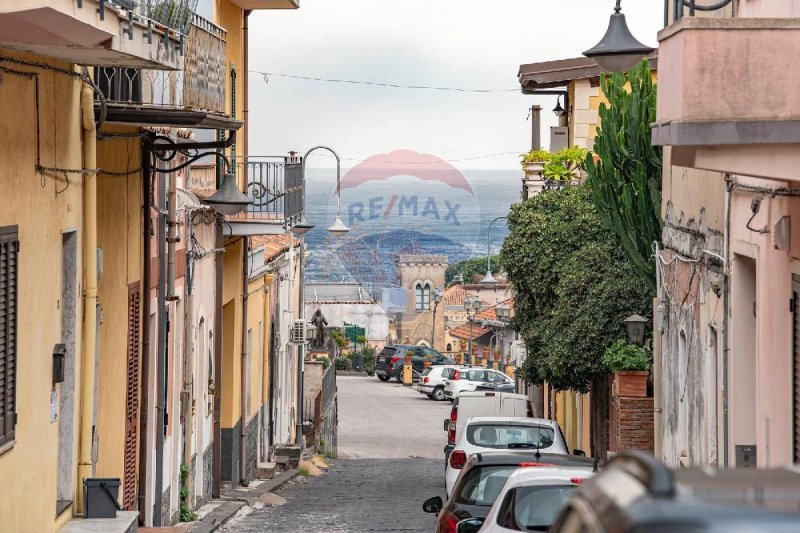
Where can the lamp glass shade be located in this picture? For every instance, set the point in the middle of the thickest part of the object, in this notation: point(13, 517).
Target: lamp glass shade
point(228, 199)
point(302, 227)
point(635, 326)
point(559, 111)
point(503, 311)
point(618, 50)
point(468, 303)
point(488, 279)
point(338, 228)
point(476, 303)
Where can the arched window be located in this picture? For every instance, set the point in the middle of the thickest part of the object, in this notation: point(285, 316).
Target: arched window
point(449, 347)
point(418, 292)
point(426, 297)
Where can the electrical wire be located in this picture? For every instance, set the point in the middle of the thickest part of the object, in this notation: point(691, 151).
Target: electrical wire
point(357, 160)
point(266, 76)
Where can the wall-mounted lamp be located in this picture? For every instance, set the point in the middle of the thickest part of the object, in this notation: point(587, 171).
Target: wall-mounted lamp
point(559, 111)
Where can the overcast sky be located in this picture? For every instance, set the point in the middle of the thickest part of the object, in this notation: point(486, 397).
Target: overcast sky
point(476, 44)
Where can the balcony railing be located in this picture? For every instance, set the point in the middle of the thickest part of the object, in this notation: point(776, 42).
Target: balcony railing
point(200, 86)
point(172, 15)
point(275, 186)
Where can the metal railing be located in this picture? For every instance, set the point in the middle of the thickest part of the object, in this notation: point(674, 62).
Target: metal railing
point(329, 412)
point(275, 187)
point(200, 86)
point(171, 15)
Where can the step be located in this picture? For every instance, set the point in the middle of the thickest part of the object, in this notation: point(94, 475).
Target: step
point(266, 470)
point(125, 522)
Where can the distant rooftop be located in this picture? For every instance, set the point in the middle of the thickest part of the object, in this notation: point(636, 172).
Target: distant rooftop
point(422, 259)
point(351, 293)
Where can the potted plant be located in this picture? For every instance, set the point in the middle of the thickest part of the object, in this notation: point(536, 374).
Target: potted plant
point(369, 360)
point(631, 365)
point(428, 361)
point(533, 162)
point(409, 357)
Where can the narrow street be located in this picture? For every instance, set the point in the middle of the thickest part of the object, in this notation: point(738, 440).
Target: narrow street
point(390, 460)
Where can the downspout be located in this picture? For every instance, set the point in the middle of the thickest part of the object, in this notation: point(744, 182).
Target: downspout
point(243, 372)
point(245, 84)
point(658, 373)
point(217, 442)
point(85, 463)
point(161, 364)
point(301, 348)
point(726, 293)
point(144, 378)
point(188, 367)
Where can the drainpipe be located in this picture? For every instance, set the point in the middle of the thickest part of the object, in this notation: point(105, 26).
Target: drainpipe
point(188, 367)
point(658, 372)
point(244, 369)
point(147, 227)
point(726, 293)
point(161, 365)
point(172, 237)
point(85, 463)
point(245, 82)
point(217, 446)
point(301, 348)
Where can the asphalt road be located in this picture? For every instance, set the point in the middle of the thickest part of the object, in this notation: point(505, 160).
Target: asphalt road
point(390, 459)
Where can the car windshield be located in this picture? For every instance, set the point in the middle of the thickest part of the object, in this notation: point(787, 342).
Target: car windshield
point(532, 508)
point(481, 485)
point(510, 436)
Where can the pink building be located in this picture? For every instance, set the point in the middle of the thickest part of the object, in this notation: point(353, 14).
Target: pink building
point(728, 370)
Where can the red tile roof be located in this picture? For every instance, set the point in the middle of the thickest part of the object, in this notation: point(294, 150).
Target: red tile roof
point(274, 245)
point(467, 331)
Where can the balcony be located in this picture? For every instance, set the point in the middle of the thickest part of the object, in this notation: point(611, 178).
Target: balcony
point(725, 95)
point(124, 33)
point(267, 4)
point(275, 187)
point(192, 98)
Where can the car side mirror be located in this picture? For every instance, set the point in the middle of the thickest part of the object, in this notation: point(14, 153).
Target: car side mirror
point(433, 505)
point(470, 525)
point(447, 424)
point(579, 453)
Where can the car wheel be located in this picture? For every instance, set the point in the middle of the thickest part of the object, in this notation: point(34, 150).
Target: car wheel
point(438, 394)
point(383, 378)
point(399, 377)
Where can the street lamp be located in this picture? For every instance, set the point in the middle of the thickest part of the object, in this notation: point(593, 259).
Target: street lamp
point(489, 279)
point(618, 50)
point(558, 111)
point(635, 326)
point(228, 199)
point(503, 312)
point(437, 297)
point(338, 228)
point(471, 304)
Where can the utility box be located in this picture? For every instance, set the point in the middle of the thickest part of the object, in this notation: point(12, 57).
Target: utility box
point(746, 456)
point(100, 497)
point(559, 138)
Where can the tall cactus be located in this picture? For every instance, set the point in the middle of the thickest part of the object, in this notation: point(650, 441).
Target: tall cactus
point(625, 169)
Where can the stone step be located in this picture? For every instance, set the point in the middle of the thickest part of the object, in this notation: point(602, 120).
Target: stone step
point(266, 470)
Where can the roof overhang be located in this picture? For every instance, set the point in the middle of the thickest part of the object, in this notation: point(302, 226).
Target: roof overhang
point(559, 73)
point(267, 4)
point(152, 115)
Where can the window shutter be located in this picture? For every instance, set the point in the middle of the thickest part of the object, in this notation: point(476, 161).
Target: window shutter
point(796, 367)
point(132, 400)
point(9, 249)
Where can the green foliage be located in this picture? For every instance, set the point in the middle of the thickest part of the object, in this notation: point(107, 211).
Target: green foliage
point(342, 363)
point(574, 286)
point(468, 268)
point(326, 362)
point(535, 156)
point(362, 340)
point(625, 356)
point(565, 165)
point(338, 338)
point(626, 178)
point(187, 515)
point(369, 359)
point(303, 471)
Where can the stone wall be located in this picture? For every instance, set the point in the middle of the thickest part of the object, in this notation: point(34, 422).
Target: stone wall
point(208, 475)
point(230, 452)
point(251, 451)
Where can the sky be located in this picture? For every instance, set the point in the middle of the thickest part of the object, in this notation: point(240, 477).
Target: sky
point(474, 44)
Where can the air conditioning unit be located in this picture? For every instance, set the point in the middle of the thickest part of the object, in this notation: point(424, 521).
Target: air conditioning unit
point(299, 332)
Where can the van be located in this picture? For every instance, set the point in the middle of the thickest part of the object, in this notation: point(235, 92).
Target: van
point(482, 403)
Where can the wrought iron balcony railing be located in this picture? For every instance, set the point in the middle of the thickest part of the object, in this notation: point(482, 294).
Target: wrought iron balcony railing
point(200, 86)
point(275, 186)
point(174, 15)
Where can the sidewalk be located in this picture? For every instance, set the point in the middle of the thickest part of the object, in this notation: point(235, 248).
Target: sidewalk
point(233, 500)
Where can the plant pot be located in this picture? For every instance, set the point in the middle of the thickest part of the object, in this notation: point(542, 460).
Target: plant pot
point(426, 364)
point(631, 383)
point(533, 168)
point(408, 358)
point(460, 359)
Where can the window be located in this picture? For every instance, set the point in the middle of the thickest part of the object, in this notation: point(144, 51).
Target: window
point(496, 377)
point(426, 297)
point(9, 250)
point(504, 436)
point(422, 295)
point(532, 508)
point(477, 375)
point(482, 485)
point(418, 293)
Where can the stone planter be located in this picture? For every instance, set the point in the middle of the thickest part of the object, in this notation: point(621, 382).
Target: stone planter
point(533, 169)
point(459, 358)
point(408, 358)
point(631, 383)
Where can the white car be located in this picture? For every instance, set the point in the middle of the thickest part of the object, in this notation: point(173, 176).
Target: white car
point(530, 499)
point(493, 434)
point(432, 380)
point(468, 379)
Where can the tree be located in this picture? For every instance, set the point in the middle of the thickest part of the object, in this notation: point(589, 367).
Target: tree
point(467, 268)
point(573, 287)
point(625, 178)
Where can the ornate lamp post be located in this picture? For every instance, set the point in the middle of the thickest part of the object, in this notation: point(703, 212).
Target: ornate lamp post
point(635, 326)
point(472, 304)
point(437, 298)
point(489, 279)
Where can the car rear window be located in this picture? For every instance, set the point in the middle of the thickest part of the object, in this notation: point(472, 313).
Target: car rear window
point(426, 372)
point(387, 351)
point(510, 436)
point(481, 485)
point(532, 508)
point(447, 373)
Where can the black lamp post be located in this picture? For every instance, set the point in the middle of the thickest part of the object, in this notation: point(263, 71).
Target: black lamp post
point(558, 111)
point(618, 50)
point(635, 326)
point(437, 298)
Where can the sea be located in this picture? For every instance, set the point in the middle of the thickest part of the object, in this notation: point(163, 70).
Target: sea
point(437, 210)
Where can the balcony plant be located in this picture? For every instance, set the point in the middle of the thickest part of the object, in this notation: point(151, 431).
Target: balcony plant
point(172, 14)
point(533, 162)
point(565, 165)
point(631, 365)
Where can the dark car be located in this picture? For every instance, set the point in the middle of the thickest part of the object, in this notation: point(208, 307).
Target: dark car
point(481, 480)
point(637, 493)
point(389, 362)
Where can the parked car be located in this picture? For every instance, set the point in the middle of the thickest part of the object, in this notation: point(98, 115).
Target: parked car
point(431, 381)
point(638, 493)
point(472, 404)
point(468, 380)
point(482, 479)
point(389, 362)
point(495, 433)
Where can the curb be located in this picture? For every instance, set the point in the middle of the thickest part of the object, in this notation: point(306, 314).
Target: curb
point(235, 499)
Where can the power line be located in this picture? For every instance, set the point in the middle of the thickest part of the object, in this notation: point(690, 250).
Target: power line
point(266, 76)
point(473, 158)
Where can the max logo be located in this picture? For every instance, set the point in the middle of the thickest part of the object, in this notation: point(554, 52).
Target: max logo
point(403, 206)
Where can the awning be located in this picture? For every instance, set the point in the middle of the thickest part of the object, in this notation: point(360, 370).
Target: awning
point(154, 115)
point(558, 73)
